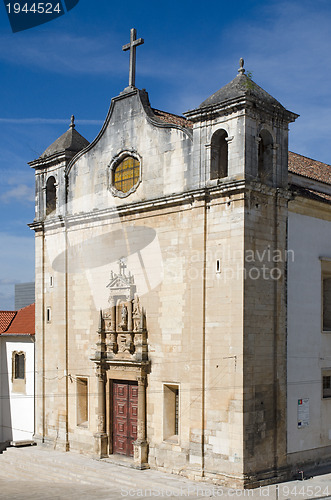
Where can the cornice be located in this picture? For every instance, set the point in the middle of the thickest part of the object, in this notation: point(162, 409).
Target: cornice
point(206, 195)
point(189, 197)
point(234, 105)
point(43, 163)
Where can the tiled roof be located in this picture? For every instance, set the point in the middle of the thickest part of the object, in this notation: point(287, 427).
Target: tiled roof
point(241, 86)
point(171, 118)
point(23, 322)
point(69, 141)
point(313, 169)
point(6, 317)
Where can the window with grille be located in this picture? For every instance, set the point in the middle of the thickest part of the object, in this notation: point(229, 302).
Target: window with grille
point(126, 174)
point(171, 412)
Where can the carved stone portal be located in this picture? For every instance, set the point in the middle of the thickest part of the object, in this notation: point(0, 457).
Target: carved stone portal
point(122, 346)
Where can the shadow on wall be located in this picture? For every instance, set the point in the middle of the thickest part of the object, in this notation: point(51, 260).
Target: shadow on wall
point(6, 421)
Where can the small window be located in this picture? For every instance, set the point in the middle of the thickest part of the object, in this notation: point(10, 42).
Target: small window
point(326, 292)
point(219, 155)
point(48, 315)
point(126, 174)
point(82, 401)
point(326, 386)
point(51, 281)
point(171, 412)
point(50, 195)
point(18, 371)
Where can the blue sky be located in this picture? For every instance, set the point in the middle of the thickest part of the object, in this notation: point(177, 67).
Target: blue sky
point(75, 65)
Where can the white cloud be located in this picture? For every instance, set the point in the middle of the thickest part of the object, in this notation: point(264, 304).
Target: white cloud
point(21, 193)
point(288, 55)
point(64, 53)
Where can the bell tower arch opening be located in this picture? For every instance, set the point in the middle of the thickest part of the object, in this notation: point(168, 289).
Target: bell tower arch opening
point(265, 160)
point(219, 155)
point(50, 195)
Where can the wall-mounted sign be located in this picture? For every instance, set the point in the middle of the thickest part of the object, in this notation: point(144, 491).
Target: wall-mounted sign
point(303, 413)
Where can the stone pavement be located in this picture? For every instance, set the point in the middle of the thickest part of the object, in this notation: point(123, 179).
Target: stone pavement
point(41, 474)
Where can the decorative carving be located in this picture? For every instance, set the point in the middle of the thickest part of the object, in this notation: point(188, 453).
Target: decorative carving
point(137, 313)
point(121, 284)
point(141, 380)
point(122, 327)
point(124, 317)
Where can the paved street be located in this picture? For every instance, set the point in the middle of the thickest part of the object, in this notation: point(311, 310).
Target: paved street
point(39, 474)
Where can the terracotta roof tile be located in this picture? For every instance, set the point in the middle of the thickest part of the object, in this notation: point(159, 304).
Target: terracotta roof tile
point(171, 118)
point(6, 317)
point(313, 169)
point(24, 322)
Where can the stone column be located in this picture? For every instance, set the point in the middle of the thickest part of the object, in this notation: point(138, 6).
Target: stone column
point(140, 445)
point(101, 437)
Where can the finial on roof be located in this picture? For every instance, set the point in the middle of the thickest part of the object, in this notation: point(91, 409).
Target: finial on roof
point(72, 123)
point(100, 321)
point(241, 70)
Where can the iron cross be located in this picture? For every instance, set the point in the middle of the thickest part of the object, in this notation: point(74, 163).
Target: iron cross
point(132, 46)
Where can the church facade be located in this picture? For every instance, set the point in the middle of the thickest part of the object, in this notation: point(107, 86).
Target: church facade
point(177, 261)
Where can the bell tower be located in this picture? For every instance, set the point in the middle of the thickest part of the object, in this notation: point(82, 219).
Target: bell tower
point(240, 157)
point(241, 132)
point(50, 173)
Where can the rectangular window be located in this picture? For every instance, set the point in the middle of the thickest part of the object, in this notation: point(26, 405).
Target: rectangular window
point(82, 401)
point(326, 386)
point(19, 366)
point(326, 291)
point(326, 294)
point(48, 314)
point(18, 372)
point(171, 412)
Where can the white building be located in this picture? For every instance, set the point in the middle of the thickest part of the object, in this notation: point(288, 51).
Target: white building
point(17, 375)
point(308, 312)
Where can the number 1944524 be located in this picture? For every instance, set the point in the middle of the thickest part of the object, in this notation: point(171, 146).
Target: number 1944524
point(35, 8)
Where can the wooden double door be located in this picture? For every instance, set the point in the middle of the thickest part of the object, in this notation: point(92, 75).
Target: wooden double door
point(125, 415)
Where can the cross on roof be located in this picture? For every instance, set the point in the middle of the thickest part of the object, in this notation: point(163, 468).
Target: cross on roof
point(132, 46)
point(122, 267)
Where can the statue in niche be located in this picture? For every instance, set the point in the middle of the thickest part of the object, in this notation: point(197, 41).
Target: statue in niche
point(136, 314)
point(124, 317)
